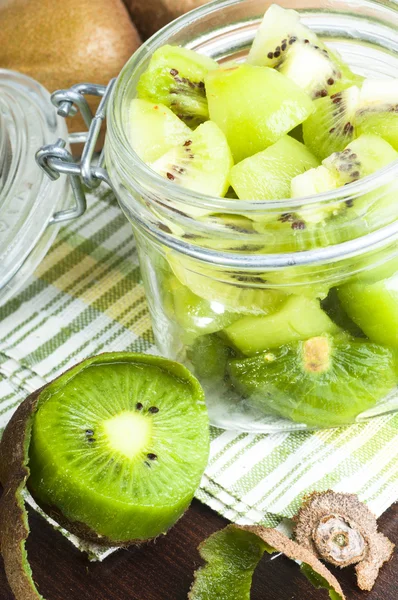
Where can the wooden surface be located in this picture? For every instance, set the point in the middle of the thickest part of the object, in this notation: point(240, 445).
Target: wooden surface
point(163, 570)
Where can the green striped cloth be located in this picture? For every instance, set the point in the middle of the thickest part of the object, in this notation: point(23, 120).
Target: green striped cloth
point(87, 297)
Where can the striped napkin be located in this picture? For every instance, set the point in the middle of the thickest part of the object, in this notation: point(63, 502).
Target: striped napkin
point(87, 297)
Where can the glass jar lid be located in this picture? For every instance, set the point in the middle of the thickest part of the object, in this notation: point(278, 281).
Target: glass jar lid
point(28, 199)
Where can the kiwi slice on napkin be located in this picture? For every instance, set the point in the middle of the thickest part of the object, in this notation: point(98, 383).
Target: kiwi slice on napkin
point(113, 449)
point(233, 553)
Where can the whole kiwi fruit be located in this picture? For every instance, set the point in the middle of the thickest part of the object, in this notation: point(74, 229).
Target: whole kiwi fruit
point(68, 42)
point(151, 15)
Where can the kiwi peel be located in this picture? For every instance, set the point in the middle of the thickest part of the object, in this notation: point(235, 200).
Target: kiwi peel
point(233, 553)
point(20, 468)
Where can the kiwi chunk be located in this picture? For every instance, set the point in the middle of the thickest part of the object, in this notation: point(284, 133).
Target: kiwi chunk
point(154, 129)
point(324, 381)
point(195, 315)
point(232, 290)
point(378, 110)
point(175, 77)
point(267, 174)
point(373, 306)
point(362, 157)
point(201, 163)
point(283, 42)
point(209, 355)
point(331, 127)
point(119, 444)
point(232, 555)
point(254, 106)
point(298, 319)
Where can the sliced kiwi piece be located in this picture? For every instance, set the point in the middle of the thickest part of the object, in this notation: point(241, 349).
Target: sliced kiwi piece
point(362, 157)
point(378, 109)
point(154, 129)
point(193, 314)
point(175, 77)
point(267, 175)
point(209, 355)
point(254, 106)
point(232, 290)
point(373, 306)
point(119, 444)
point(331, 127)
point(283, 42)
point(324, 381)
point(201, 163)
point(299, 318)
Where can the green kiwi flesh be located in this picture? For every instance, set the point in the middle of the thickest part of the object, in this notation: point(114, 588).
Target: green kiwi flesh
point(285, 43)
point(175, 77)
point(119, 444)
point(254, 106)
point(267, 175)
point(324, 381)
point(154, 129)
point(200, 163)
point(378, 110)
point(209, 355)
point(373, 306)
point(331, 127)
point(299, 318)
point(195, 316)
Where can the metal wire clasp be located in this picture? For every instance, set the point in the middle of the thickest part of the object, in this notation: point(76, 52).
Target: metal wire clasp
point(55, 159)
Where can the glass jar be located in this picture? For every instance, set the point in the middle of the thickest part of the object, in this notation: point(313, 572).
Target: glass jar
point(28, 199)
point(286, 327)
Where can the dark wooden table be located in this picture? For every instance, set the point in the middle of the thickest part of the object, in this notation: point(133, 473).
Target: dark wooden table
point(163, 570)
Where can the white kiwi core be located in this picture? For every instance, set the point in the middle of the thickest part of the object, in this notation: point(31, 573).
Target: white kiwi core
point(128, 433)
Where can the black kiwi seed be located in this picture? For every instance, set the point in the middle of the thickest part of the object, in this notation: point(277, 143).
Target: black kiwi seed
point(347, 128)
point(89, 432)
point(353, 156)
point(152, 456)
point(139, 406)
point(349, 202)
point(277, 49)
point(173, 72)
point(355, 174)
point(166, 229)
point(188, 143)
point(330, 81)
point(298, 225)
point(284, 46)
point(153, 410)
point(292, 40)
point(332, 130)
point(306, 41)
point(286, 218)
point(91, 440)
point(170, 176)
point(270, 55)
point(277, 54)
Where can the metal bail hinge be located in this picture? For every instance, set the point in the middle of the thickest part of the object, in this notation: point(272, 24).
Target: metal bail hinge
point(55, 159)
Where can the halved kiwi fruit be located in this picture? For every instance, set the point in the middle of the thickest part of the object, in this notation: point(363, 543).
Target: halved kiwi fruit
point(118, 446)
point(324, 381)
point(285, 43)
point(254, 106)
point(267, 175)
point(175, 77)
point(154, 129)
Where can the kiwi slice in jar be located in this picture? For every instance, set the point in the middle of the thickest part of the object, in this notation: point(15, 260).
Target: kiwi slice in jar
point(119, 444)
point(324, 381)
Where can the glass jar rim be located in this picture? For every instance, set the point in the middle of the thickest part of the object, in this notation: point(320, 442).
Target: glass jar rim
point(141, 176)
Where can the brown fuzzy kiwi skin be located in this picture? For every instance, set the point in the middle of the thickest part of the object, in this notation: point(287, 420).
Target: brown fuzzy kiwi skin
point(14, 528)
point(294, 551)
point(151, 15)
point(347, 507)
point(63, 43)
